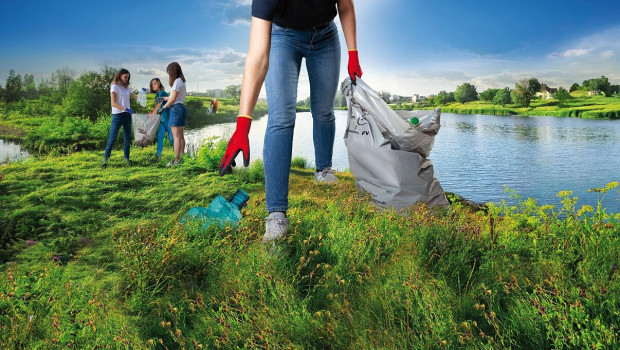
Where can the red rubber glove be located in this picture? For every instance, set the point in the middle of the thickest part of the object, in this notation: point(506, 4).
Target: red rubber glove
point(354, 65)
point(239, 142)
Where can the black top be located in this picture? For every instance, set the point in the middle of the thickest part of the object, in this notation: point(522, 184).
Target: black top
point(296, 14)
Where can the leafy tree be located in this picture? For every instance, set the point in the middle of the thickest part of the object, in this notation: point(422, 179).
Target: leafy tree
point(1, 93)
point(590, 84)
point(30, 89)
point(534, 86)
point(385, 96)
point(443, 98)
point(89, 95)
point(465, 92)
point(488, 94)
point(574, 87)
point(598, 84)
point(13, 87)
point(234, 91)
point(614, 90)
point(61, 79)
point(522, 94)
point(502, 97)
point(604, 85)
point(562, 95)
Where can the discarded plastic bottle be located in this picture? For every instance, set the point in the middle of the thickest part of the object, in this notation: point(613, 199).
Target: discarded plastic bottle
point(142, 97)
point(221, 211)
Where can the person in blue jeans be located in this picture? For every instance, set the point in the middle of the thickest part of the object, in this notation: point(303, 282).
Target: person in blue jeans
point(121, 114)
point(178, 111)
point(283, 33)
point(164, 126)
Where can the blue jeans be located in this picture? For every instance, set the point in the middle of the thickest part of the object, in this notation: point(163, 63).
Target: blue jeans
point(161, 132)
point(321, 48)
point(118, 120)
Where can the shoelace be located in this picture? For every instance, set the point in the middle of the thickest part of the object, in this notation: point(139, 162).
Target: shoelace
point(326, 171)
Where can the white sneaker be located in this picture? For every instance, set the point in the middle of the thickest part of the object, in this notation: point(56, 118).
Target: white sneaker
point(276, 226)
point(173, 163)
point(325, 176)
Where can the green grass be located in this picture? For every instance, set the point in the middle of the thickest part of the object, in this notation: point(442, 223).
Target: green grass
point(108, 266)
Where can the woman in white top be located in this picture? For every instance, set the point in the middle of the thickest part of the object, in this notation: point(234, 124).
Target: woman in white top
point(121, 114)
point(178, 111)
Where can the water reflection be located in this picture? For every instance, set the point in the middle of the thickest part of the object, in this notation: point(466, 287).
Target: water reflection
point(10, 152)
point(465, 127)
point(476, 156)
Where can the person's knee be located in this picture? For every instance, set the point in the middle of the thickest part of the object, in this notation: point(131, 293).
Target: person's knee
point(324, 116)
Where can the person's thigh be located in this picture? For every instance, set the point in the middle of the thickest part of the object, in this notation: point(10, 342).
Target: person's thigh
point(285, 58)
point(323, 64)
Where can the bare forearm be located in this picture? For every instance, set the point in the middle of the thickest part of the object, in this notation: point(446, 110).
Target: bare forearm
point(171, 99)
point(346, 12)
point(156, 108)
point(253, 78)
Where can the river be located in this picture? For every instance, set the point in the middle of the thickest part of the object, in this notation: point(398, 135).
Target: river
point(11, 152)
point(476, 156)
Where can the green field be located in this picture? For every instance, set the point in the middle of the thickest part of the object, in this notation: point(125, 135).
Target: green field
point(96, 259)
point(581, 106)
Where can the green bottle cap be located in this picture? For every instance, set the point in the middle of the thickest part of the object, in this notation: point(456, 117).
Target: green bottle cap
point(415, 121)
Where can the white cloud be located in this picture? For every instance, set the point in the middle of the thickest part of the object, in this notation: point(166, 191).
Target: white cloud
point(607, 54)
point(150, 72)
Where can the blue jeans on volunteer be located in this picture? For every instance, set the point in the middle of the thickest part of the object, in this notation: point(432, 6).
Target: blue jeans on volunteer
point(320, 46)
point(118, 120)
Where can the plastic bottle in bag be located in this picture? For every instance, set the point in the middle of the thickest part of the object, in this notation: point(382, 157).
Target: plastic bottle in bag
point(421, 121)
point(221, 211)
point(142, 97)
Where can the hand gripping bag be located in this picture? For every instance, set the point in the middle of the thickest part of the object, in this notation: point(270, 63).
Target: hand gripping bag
point(387, 154)
point(144, 128)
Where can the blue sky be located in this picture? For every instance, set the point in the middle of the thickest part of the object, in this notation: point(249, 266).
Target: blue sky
point(406, 46)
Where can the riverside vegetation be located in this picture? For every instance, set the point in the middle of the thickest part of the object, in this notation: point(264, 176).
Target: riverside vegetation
point(95, 258)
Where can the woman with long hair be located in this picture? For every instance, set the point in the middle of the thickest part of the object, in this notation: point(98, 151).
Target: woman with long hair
point(164, 124)
point(121, 114)
point(178, 111)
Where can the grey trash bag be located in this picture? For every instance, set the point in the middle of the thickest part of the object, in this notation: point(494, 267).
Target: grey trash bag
point(395, 178)
point(144, 128)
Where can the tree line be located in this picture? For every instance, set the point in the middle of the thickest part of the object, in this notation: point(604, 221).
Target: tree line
point(522, 94)
point(87, 95)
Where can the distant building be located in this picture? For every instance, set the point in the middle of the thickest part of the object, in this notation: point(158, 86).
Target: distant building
point(546, 92)
point(594, 92)
point(417, 98)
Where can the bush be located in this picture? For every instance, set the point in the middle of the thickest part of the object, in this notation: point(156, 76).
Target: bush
point(299, 163)
point(194, 105)
point(209, 154)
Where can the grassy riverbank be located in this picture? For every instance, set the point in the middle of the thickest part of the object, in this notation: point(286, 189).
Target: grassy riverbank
point(41, 128)
point(96, 259)
point(581, 106)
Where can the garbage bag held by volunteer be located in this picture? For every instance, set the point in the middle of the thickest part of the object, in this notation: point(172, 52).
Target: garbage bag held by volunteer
point(144, 128)
point(387, 153)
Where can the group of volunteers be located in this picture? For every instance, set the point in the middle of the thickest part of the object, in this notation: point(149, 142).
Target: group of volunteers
point(282, 33)
point(171, 107)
